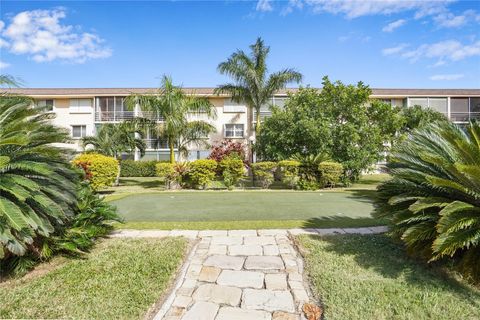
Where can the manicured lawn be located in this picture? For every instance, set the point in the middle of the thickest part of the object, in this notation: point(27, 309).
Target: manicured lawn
point(223, 209)
point(370, 277)
point(119, 279)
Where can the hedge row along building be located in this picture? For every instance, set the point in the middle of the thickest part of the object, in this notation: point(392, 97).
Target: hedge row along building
point(84, 110)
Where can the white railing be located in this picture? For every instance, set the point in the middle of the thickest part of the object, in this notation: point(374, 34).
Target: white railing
point(464, 116)
point(114, 116)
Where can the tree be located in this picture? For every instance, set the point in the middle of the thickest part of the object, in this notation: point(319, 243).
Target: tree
point(174, 107)
point(113, 139)
point(433, 199)
point(339, 121)
point(251, 82)
point(37, 183)
point(418, 117)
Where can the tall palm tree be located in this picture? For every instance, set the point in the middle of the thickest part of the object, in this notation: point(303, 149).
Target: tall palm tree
point(37, 183)
point(433, 199)
point(113, 139)
point(174, 107)
point(251, 82)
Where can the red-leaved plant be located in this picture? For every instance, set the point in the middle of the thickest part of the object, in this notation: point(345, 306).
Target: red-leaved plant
point(225, 148)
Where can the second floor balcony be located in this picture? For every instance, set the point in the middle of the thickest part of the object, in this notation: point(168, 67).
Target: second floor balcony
point(118, 116)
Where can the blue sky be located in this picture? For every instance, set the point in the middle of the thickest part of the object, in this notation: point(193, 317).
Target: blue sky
point(405, 44)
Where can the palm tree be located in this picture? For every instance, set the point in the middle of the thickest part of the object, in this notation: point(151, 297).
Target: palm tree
point(37, 183)
point(113, 139)
point(174, 107)
point(251, 82)
point(433, 200)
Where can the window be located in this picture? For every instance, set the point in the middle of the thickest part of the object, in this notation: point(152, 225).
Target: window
point(423, 102)
point(234, 130)
point(475, 105)
point(80, 105)
point(231, 106)
point(79, 131)
point(45, 103)
point(438, 104)
point(279, 101)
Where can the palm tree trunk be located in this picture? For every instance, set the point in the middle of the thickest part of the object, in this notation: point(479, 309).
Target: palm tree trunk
point(172, 153)
point(257, 123)
point(117, 179)
point(250, 131)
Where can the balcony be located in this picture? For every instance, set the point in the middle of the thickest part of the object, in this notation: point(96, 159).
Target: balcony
point(117, 116)
point(464, 116)
point(155, 144)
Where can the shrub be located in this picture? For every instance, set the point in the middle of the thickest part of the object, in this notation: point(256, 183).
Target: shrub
point(433, 199)
point(227, 148)
point(330, 173)
point(131, 168)
point(202, 172)
point(232, 170)
point(100, 170)
point(263, 173)
point(289, 172)
point(166, 170)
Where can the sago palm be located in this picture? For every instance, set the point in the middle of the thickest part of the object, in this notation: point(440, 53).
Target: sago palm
point(252, 84)
point(175, 108)
point(113, 139)
point(433, 199)
point(37, 184)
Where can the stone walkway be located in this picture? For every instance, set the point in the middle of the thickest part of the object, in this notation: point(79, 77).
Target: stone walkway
point(239, 274)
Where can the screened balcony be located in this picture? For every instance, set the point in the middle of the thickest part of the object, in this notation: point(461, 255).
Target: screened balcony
point(113, 109)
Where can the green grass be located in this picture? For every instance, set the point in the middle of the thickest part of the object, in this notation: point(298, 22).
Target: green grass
point(119, 279)
point(370, 277)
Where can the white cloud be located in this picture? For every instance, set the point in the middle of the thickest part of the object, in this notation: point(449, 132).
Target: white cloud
point(446, 77)
point(357, 8)
point(450, 20)
point(394, 25)
point(4, 65)
point(264, 5)
point(394, 50)
point(41, 35)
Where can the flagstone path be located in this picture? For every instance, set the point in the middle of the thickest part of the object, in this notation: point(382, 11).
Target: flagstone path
point(239, 274)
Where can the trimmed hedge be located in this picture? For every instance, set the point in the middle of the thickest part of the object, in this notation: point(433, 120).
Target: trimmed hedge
point(330, 173)
point(263, 172)
point(202, 172)
point(131, 168)
point(232, 169)
point(289, 172)
point(166, 170)
point(100, 170)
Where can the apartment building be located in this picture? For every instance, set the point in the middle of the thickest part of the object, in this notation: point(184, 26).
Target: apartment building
point(84, 110)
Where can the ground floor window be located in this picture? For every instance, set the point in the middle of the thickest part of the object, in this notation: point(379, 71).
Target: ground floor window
point(234, 130)
point(79, 131)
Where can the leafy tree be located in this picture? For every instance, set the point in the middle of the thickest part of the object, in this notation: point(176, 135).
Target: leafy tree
point(418, 117)
point(433, 199)
point(338, 121)
point(174, 106)
point(37, 184)
point(251, 82)
point(113, 139)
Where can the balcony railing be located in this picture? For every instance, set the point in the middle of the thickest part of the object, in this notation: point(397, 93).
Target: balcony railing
point(155, 144)
point(464, 116)
point(263, 114)
point(114, 116)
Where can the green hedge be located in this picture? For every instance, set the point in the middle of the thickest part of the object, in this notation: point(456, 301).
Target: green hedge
point(131, 168)
point(100, 170)
point(288, 170)
point(201, 172)
point(330, 173)
point(232, 169)
point(263, 173)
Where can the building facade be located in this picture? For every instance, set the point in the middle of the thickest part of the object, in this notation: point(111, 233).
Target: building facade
point(83, 110)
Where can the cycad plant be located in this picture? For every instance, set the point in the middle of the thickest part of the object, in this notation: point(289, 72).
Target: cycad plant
point(433, 198)
point(175, 108)
point(37, 184)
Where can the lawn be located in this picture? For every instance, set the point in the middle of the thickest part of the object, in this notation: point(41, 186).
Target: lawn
point(370, 277)
point(119, 279)
point(246, 209)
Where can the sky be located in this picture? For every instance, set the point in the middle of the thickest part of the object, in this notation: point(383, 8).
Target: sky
point(385, 44)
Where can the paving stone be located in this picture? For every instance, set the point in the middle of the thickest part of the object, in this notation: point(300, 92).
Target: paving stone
point(227, 240)
point(212, 233)
point(264, 263)
point(295, 284)
point(184, 291)
point(263, 240)
point(271, 250)
point(241, 279)
point(242, 233)
point(202, 311)
point(280, 315)
point(191, 234)
point(380, 229)
point(268, 300)
point(295, 276)
point(271, 232)
point(126, 234)
point(229, 313)
point(276, 281)
point(297, 232)
point(300, 294)
point(245, 250)
point(193, 271)
point(154, 233)
point(209, 274)
point(189, 283)
point(286, 249)
point(181, 301)
point(218, 294)
point(217, 249)
point(357, 230)
point(224, 262)
point(176, 312)
point(330, 231)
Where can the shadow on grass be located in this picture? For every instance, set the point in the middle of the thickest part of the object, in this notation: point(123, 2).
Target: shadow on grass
point(388, 258)
point(342, 222)
point(147, 184)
